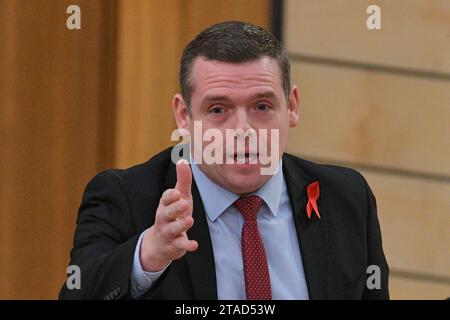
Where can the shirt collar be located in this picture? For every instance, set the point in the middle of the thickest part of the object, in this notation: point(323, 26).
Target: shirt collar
point(217, 199)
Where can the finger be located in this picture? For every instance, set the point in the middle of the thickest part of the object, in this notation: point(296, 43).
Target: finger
point(169, 196)
point(183, 243)
point(177, 227)
point(184, 178)
point(177, 210)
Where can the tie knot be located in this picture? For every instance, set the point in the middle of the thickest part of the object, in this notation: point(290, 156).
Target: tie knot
point(249, 207)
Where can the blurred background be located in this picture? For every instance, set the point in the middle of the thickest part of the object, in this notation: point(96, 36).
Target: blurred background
point(74, 102)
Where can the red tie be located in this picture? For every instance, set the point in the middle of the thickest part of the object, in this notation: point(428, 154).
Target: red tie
point(256, 270)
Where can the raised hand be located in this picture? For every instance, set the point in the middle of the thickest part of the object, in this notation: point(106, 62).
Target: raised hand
point(167, 240)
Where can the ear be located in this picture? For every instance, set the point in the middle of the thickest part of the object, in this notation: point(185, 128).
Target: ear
point(180, 111)
point(293, 107)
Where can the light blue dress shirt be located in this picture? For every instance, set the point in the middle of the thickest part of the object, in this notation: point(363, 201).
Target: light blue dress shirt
point(277, 229)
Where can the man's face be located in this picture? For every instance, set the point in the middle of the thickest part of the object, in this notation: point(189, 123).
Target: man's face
point(235, 96)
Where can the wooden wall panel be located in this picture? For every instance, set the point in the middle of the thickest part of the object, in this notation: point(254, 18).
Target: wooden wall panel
point(200, 14)
point(415, 34)
point(410, 289)
point(152, 35)
point(414, 215)
point(379, 101)
point(148, 49)
point(374, 118)
point(52, 96)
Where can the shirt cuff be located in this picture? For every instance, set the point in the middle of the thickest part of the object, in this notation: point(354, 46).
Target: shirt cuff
point(142, 281)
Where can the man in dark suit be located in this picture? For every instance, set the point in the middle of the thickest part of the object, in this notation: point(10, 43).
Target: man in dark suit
point(223, 229)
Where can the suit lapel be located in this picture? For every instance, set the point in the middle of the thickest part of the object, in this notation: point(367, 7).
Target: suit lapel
point(311, 233)
point(200, 263)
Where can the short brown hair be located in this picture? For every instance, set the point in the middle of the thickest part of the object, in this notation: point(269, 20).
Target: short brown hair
point(232, 41)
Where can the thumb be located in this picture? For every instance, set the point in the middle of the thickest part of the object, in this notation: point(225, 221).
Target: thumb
point(184, 178)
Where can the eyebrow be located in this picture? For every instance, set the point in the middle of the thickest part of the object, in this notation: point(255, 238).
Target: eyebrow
point(265, 94)
point(209, 99)
point(259, 95)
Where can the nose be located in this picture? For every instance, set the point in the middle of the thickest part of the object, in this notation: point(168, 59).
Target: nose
point(242, 120)
point(244, 134)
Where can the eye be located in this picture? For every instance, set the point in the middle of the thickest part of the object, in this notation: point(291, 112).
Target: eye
point(217, 110)
point(263, 107)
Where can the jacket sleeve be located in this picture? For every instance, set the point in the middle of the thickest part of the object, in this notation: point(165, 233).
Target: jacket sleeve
point(375, 255)
point(104, 241)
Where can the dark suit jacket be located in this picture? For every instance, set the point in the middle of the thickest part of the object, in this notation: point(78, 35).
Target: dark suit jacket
point(118, 205)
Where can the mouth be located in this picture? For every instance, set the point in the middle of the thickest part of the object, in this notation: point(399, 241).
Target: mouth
point(244, 158)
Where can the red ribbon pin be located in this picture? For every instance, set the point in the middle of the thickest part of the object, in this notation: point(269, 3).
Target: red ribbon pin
point(313, 194)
